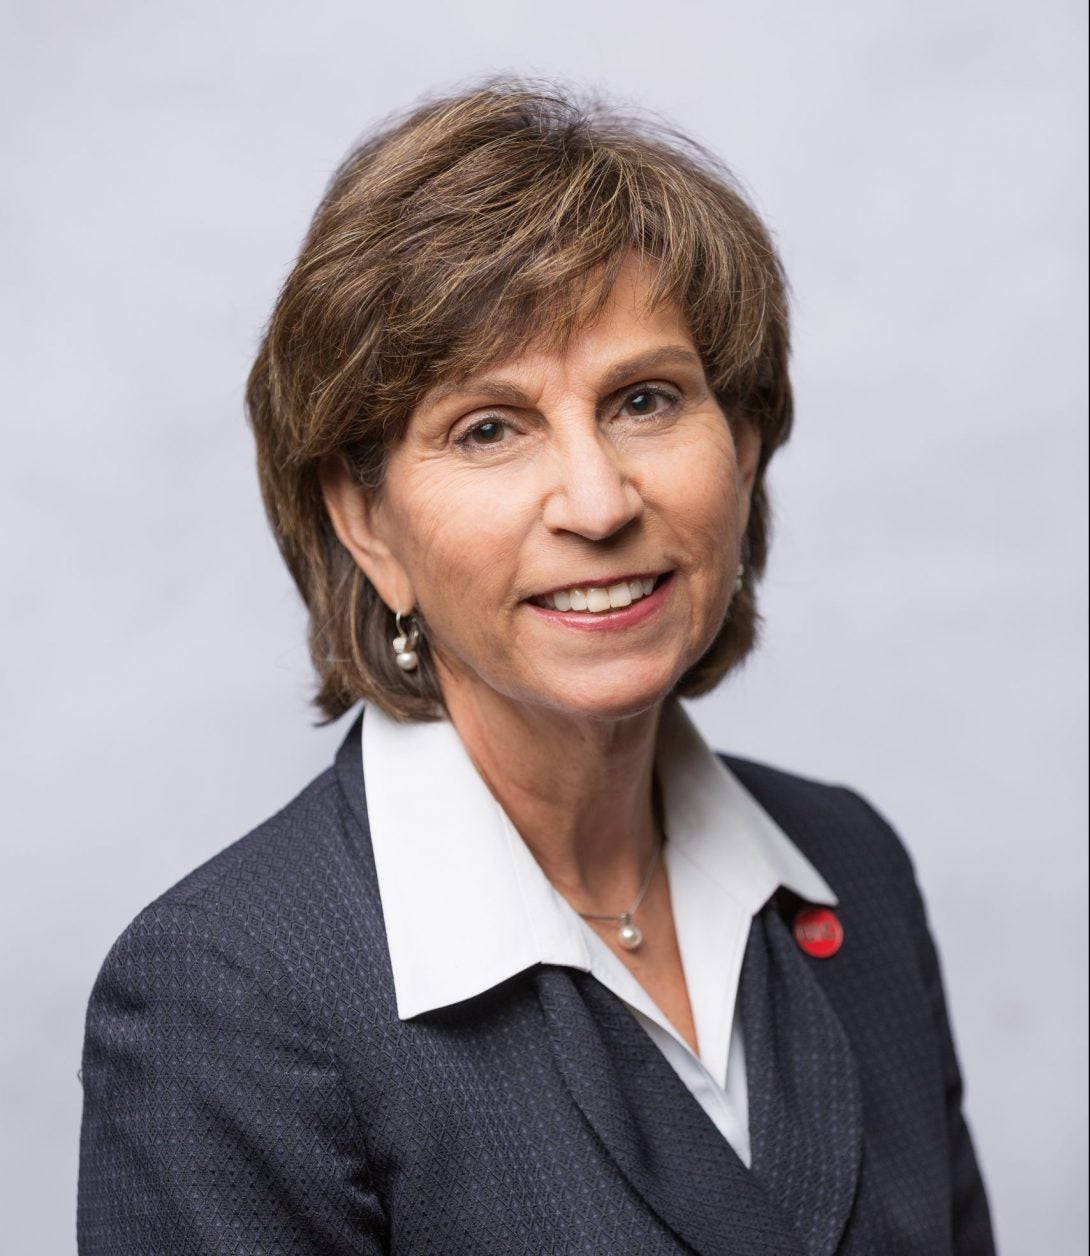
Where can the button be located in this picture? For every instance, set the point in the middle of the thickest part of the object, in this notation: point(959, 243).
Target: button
point(818, 931)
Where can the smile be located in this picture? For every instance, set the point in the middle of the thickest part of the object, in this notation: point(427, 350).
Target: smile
point(616, 604)
point(594, 599)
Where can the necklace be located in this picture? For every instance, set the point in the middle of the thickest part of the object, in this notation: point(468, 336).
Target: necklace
point(628, 934)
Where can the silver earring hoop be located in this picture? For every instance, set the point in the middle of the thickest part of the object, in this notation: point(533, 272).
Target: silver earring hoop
point(404, 644)
point(739, 578)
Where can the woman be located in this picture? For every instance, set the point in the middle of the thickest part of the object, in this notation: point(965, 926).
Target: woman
point(529, 969)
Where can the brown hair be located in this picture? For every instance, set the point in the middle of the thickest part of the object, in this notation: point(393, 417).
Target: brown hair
point(456, 236)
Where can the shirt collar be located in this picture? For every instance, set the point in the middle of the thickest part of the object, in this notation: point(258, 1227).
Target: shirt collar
point(712, 819)
point(466, 905)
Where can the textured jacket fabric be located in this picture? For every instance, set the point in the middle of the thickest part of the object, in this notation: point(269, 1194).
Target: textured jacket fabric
point(249, 1088)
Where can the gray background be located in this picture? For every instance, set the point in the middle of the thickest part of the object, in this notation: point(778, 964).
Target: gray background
point(923, 168)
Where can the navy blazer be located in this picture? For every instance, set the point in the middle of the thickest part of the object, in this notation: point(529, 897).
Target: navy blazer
point(249, 1088)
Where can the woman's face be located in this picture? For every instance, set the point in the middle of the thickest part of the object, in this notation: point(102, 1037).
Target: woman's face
point(554, 484)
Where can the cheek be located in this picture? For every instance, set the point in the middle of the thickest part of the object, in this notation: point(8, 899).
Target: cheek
point(459, 541)
point(702, 496)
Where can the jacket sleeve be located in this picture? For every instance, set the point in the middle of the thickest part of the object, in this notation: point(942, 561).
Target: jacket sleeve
point(972, 1227)
point(970, 1217)
point(215, 1118)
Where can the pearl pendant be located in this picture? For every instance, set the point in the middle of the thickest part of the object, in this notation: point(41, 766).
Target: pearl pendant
point(407, 660)
point(628, 934)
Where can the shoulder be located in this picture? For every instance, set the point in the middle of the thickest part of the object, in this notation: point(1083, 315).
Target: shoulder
point(273, 861)
point(868, 867)
point(841, 832)
point(294, 891)
point(293, 861)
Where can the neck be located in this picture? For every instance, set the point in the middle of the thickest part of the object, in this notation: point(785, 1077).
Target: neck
point(578, 790)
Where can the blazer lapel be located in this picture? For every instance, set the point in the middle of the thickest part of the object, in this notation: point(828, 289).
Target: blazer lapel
point(805, 1101)
point(656, 1132)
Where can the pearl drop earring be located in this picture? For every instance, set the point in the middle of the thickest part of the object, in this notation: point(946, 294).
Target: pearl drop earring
point(404, 643)
point(738, 579)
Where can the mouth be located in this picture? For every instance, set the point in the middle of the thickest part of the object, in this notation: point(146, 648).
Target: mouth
point(596, 599)
point(618, 603)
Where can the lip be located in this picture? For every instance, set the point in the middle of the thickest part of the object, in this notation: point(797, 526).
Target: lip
point(612, 620)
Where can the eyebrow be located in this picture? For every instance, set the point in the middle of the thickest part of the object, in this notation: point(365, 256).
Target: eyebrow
point(618, 374)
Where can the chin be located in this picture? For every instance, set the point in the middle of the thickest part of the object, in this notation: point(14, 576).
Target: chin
point(610, 693)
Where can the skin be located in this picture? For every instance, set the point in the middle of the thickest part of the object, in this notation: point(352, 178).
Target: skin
point(552, 470)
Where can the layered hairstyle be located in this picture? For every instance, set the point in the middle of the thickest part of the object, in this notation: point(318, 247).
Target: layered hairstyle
point(473, 228)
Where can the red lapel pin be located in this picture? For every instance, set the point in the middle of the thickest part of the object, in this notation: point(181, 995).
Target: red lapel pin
point(818, 932)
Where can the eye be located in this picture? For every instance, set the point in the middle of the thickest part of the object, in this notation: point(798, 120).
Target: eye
point(645, 402)
point(487, 432)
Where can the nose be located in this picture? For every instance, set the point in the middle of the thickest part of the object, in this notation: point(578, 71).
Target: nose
point(592, 496)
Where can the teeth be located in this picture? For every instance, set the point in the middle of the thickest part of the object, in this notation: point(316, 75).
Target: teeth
point(595, 600)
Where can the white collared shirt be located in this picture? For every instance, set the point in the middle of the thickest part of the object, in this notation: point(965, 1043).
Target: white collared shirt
point(467, 906)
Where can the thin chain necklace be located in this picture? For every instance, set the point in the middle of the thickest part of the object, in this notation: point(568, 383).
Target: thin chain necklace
point(628, 934)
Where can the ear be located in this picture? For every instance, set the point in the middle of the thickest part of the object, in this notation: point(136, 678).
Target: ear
point(747, 451)
point(363, 528)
